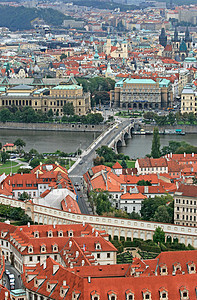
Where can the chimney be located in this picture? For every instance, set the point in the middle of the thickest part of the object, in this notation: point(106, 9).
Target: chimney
point(70, 244)
point(54, 225)
point(96, 233)
point(89, 279)
point(77, 254)
point(83, 262)
point(55, 268)
point(28, 224)
point(192, 154)
point(177, 185)
point(192, 169)
point(37, 174)
point(92, 230)
point(184, 154)
point(83, 223)
point(171, 154)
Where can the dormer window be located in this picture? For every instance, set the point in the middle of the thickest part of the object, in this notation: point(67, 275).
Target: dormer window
point(70, 233)
point(48, 287)
point(36, 234)
point(191, 268)
point(146, 295)
point(95, 295)
point(60, 233)
point(163, 269)
point(63, 291)
point(112, 295)
point(2, 234)
point(98, 246)
point(43, 248)
point(50, 233)
point(30, 249)
point(163, 294)
point(184, 293)
point(55, 248)
point(129, 295)
point(177, 266)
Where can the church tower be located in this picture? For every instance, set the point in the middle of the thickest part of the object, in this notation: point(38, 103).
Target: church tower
point(175, 44)
point(163, 38)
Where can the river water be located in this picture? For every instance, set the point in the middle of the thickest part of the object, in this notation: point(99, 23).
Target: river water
point(50, 141)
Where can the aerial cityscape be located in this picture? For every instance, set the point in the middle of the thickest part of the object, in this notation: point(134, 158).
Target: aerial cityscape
point(98, 150)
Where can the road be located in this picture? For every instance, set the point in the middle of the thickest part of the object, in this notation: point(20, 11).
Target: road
point(18, 280)
point(87, 162)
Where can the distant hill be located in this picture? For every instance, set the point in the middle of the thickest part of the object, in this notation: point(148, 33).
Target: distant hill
point(19, 18)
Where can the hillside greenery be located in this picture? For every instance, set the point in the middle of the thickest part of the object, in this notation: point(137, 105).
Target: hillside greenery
point(20, 18)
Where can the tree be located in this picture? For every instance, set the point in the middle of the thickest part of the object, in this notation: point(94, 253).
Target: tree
point(150, 205)
point(34, 162)
point(68, 109)
point(4, 156)
point(161, 215)
point(155, 151)
point(5, 115)
point(106, 152)
point(100, 200)
point(63, 56)
point(50, 113)
point(124, 164)
point(24, 196)
point(171, 118)
point(99, 160)
point(20, 144)
point(144, 183)
point(159, 235)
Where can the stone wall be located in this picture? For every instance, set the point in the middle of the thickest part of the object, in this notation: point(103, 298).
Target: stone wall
point(53, 127)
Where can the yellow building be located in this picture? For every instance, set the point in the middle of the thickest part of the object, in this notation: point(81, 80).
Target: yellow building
point(48, 98)
point(189, 99)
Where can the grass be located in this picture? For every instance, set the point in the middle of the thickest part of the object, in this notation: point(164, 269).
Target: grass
point(8, 164)
point(130, 163)
point(8, 170)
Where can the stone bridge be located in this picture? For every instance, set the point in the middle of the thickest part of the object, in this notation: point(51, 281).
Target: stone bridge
point(115, 227)
point(120, 139)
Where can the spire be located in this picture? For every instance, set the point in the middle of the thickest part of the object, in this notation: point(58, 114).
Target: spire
point(187, 35)
point(176, 35)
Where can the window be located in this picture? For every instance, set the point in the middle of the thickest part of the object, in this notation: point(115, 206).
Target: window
point(108, 255)
point(98, 255)
point(30, 258)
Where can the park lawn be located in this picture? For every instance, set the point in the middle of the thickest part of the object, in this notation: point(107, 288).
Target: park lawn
point(130, 163)
point(8, 170)
point(71, 163)
point(8, 164)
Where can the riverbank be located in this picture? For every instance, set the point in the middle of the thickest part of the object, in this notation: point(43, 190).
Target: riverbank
point(54, 127)
point(187, 129)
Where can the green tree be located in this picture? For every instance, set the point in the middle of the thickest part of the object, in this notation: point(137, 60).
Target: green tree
point(155, 151)
point(150, 205)
point(5, 115)
point(68, 109)
point(159, 235)
point(98, 160)
point(149, 115)
point(171, 118)
point(34, 162)
point(20, 144)
point(4, 156)
point(144, 183)
point(161, 215)
point(24, 196)
point(100, 200)
point(50, 113)
point(106, 152)
point(124, 164)
point(63, 56)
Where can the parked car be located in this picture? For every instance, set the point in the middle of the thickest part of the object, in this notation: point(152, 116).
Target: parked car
point(11, 276)
point(12, 287)
point(7, 272)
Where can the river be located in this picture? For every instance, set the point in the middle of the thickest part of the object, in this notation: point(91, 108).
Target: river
point(50, 141)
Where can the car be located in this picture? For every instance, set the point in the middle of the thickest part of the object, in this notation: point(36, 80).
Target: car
point(76, 184)
point(12, 286)
point(81, 162)
point(78, 188)
point(7, 272)
point(12, 281)
point(11, 276)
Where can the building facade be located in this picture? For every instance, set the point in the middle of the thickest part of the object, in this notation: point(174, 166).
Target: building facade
point(44, 99)
point(141, 94)
point(189, 99)
point(185, 200)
